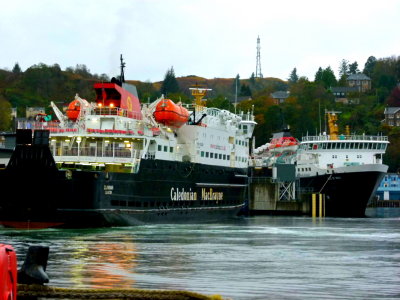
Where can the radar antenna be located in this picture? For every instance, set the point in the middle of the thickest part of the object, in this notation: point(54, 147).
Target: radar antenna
point(122, 76)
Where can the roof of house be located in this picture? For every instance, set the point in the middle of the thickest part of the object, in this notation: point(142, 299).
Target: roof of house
point(280, 95)
point(391, 110)
point(359, 76)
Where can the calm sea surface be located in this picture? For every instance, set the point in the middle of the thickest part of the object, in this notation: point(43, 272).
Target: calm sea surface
point(255, 258)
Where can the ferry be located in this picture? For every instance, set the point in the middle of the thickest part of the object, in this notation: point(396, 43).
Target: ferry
point(117, 162)
point(346, 168)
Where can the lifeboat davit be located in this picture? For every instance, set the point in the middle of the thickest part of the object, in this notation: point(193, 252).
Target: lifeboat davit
point(170, 114)
point(73, 110)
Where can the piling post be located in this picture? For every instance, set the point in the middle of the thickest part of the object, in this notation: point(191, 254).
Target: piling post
point(321, 206)
point(314, 205)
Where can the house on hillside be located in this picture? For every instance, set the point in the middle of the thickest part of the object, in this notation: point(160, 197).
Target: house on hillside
point(346, 94)
point(392, 116)
point(32, 112)
point(240, 99)
point(360, 80)
point(280, 96)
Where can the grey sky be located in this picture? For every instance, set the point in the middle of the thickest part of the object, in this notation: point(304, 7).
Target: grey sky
point(205, 37)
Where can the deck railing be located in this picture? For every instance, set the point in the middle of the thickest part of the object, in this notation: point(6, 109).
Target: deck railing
point(345, 138)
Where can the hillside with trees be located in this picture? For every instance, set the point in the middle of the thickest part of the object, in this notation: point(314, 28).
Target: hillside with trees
point(303, 110)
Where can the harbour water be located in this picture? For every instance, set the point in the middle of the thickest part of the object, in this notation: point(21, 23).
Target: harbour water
point(261, 257)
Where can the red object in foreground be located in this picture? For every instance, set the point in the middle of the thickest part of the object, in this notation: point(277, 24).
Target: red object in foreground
point(8, 273)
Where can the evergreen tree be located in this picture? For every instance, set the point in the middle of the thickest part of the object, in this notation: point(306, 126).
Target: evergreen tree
point(369, 66)
point(318, 75)
point(328, 78)
point(245, 90)
point(344, 68)
point(293, 77)
point(252, 79)
point(170, 84)
point(236, 84)
point(353, 68)
point(16, 69)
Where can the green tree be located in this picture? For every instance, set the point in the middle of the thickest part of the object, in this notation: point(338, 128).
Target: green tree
point(16, 69)
point(369, 66)
point(318, 75)
point(252, 79)
point(293, 77)
point(220, 102)
point(353, 68)
point(170, 84)
point(325, 77)
point(146, 91)
point(344, 68)
point(245, 90)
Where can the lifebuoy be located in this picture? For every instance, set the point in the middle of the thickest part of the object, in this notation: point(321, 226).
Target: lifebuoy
point(8, 273)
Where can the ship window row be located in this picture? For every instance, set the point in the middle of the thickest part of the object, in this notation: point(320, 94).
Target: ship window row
point(215, 155)
point(165, 148)
point(392, 178)
point(171, 204)
point(303, 169)
point(241, 159)
point(241, 143)
point(328, 146)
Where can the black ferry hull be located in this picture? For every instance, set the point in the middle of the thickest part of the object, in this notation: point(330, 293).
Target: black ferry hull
point(161, 192)
point(346, 193)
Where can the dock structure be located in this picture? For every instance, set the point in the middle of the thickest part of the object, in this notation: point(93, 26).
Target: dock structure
point(275, 191)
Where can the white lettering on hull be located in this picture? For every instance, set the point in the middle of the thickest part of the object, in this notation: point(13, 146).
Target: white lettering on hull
point(180, 194)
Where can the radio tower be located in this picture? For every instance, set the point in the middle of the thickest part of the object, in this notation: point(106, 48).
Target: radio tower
point(258, 65)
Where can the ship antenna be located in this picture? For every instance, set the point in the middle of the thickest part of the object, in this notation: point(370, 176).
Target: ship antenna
point(122, 77)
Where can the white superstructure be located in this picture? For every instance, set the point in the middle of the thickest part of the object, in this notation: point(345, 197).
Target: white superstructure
point(318, 155)
point(109, 138)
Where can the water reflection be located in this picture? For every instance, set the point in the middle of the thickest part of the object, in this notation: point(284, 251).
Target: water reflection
point(256, 258)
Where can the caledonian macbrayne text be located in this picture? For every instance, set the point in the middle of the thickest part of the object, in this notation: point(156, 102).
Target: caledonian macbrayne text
point(178, 194)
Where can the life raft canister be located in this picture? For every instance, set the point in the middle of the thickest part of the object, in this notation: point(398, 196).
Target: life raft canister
point(8, 273)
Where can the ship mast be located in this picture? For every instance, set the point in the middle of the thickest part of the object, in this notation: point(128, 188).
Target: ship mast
point(333, 127)
point(198, 93)
point(122, 76)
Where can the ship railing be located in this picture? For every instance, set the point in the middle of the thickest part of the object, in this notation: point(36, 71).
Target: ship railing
point(116, 111)
point(94, 152)
point(345, 137)
point(52, 126)
point(247, 117)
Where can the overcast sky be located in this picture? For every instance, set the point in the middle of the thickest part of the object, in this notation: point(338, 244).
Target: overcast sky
point(208, 38)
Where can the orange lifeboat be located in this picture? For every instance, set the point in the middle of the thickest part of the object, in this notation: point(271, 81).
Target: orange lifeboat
point(73, 110)
point(170, 114)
